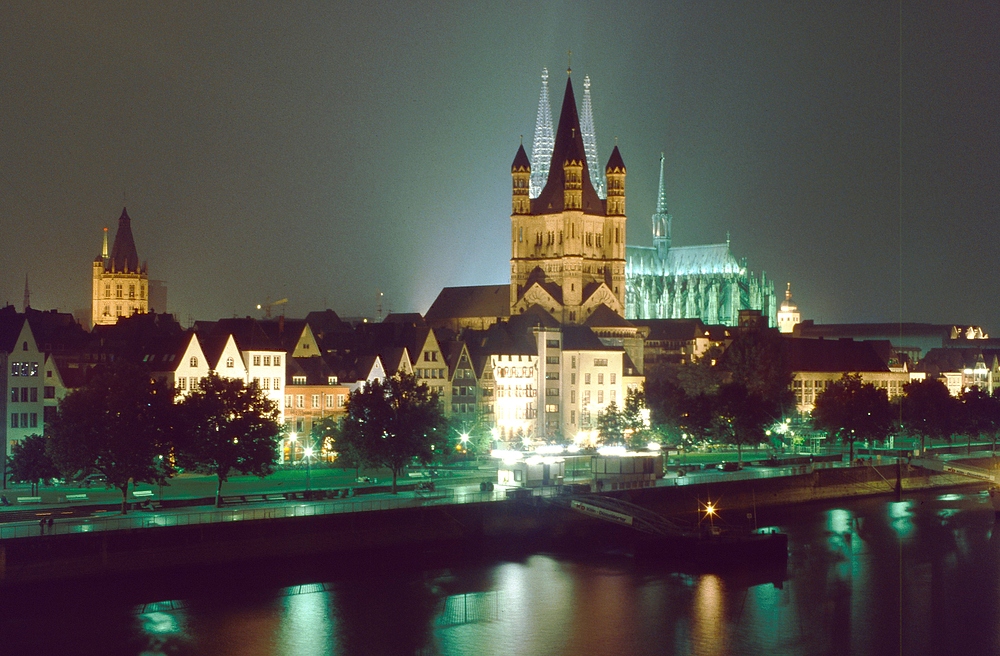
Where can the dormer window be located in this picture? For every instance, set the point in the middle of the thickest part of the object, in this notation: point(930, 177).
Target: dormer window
point(298, 380)
point(331, 380)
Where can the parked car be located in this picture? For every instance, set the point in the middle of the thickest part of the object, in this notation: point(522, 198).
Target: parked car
point(729, 466)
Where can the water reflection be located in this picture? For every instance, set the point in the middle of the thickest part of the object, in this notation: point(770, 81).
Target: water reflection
point(865, 577)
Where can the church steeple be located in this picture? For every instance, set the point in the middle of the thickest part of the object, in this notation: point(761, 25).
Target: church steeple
point(590, 140)
point(520, 173)
point(541, 148)
point(662, 219)
point(124, 257)
point(27, 295)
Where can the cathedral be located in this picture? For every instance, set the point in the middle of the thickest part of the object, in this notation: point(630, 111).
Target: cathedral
point(120, 282)
point(639, 282)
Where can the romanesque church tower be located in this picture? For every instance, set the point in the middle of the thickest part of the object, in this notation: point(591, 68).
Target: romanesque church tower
point(120, 282)
point(568, 243)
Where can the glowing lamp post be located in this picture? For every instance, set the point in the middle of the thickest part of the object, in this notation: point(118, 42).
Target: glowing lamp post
point(291, 446)
point(308, 456)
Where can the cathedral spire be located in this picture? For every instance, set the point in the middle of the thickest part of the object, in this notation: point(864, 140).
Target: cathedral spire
point(541, 149)
point(662, 220)
point(104, 248)
point(123, 254)
point(590, 141)
point(27, 295)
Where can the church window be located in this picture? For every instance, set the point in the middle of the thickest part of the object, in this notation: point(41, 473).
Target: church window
point(131, 291)
point(142, 291)
point(520, 234)
point(107, 290)
point(118, 290)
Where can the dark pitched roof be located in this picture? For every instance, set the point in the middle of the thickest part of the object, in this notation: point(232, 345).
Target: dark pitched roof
point(476, 301)
point(326, 322)
point(56, 331)
point(123, 254)
point(521, 160)
point(247, 332)
point(672, 329)
point(285, 332)
point(605, 317)
point(582, 338)
point(871, 330)
point(316, 370)
point(535, 316)
point(405, 317)
point(615, 161)
point(568, 145)
point(828, 355)
point(10, 327)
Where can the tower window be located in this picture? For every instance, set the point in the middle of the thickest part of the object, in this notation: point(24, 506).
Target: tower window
point(118, 291)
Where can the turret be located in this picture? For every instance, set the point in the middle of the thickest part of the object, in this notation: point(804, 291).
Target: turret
point(573, 175)
point(520, 173)
point(615, 173)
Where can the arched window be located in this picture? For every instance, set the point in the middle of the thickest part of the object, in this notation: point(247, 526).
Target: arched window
point(194, 361)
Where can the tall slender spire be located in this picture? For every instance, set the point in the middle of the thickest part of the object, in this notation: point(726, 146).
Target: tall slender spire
point(590, 141)
point(104, 248)
point(541, 149)
point(27, 295)
point(662, 220)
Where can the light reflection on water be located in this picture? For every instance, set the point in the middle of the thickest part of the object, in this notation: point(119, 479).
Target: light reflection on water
point(848, 564)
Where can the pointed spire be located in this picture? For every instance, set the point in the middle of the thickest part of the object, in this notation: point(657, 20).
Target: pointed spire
point(123, 254)
point(27, 295)
point(568, 145)
point(788, 292)
point(104, 248)
point(541, 149)
point(590, 141)
point(662, 221)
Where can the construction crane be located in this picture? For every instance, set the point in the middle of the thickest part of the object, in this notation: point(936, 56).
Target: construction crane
point(267, 305)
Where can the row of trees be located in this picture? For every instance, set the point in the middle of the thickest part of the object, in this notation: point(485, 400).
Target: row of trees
point(125, 425)
point(850, 410)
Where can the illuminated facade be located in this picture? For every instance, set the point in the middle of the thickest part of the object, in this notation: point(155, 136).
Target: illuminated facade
point(788, 313)
point(567, 244)
point(120, 282)
point(691, 282)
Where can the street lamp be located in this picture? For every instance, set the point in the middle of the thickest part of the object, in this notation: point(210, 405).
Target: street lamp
point(308, 455)
point(291, 447)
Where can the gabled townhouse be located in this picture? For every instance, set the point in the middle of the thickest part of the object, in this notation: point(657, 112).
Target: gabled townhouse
point(464, 385)
point(961, 369)
point(22, 393)
point(179, 361)
point(313, 392)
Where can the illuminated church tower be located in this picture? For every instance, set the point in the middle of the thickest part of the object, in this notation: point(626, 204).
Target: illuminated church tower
point(120, 282)
point(568, 243)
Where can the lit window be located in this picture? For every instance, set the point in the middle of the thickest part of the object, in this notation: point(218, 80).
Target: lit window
point(256, 360)
point(277, 361)
point(267, 383)
point(315, 401)
point(600, 362)
point(300, 401)
point(277, 383)
point(600, 379)
point(600, 396)
point(340, 400)
point(182, 383)
point(329, 400)
point(194, 362)
point(267, 360)
point(288, 400)
point(613, 378)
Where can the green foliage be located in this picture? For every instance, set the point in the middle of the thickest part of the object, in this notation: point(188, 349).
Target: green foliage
point(740, 417)
point(610, 425)
point(703, 375)
point(757, 361)
point(228, 426)
point(392, 422)
point(121, 424)
point(29, 462)
point(980, 415)
point(929, 411)
point(850, 410)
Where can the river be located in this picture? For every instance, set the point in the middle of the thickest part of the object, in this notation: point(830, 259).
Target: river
point(869, 576)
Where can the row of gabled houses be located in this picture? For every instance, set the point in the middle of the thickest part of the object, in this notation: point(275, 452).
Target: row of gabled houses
point(524, 375)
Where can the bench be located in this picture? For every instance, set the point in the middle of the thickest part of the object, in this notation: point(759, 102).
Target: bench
point(29, 499)
point(77, 497)
point(141, 494)
point(275, 497)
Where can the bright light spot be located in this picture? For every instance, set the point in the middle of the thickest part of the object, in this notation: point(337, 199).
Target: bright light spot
point(464, 437)
point(653, 446)
point(550, 448)
point(293, 436)
point(709, 509)
point(573, 448)
point(612, 451)
point(308, 451)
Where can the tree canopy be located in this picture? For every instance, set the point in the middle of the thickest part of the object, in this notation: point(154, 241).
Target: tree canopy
point(29, 462)
point(227, 426)
point(392, 422)
point(120, 424)
point(851, 410)
point(929, 411)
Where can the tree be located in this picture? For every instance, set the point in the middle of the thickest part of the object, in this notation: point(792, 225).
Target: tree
point(929, 411)
point(228, 425)
point(634, 420)
point(851, 410)
point(121, 424)
point(980, 415)
point(392, 422)
point(703, 375)
point(757, 361)
point(29, 463)
point(740, 417)
point(610, 425)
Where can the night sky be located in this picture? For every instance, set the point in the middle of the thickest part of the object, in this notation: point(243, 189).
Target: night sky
point(327, 151)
